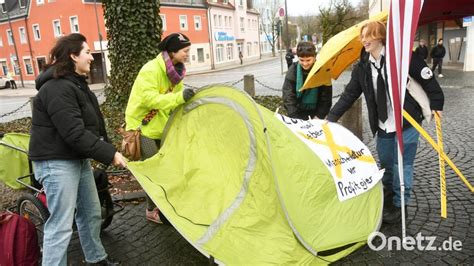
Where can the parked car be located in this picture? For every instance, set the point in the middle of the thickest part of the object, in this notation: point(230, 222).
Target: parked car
point(6, 83)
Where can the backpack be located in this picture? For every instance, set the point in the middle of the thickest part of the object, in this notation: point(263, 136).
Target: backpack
point(18, 241)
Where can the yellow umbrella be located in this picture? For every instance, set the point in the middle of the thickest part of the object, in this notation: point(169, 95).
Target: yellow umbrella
point(337, 54)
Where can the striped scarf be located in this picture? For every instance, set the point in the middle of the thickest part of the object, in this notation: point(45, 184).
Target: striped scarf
point(176, 72)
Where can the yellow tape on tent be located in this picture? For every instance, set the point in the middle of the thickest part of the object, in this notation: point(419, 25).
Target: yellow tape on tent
point(436, 147)
point(442, 173)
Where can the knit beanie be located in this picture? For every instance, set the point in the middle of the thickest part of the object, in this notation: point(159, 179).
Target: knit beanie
point(174, 42)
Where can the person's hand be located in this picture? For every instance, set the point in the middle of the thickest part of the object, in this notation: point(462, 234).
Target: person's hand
point(440, 113)
point(119, 160)
point(188, 94)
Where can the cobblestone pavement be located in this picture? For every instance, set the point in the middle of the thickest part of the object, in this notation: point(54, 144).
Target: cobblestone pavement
point(136, 242)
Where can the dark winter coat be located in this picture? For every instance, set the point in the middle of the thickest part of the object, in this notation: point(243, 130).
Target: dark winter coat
point(438, 51)
point(361, 82)
point(422, 51)
point(292, 103)
point(67, 123)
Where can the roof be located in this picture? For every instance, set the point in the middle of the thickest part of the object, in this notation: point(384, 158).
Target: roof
point(14, 10)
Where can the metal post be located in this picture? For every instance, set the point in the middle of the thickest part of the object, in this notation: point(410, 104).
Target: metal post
point(104, 66)
point(287, 32)
point(249, 84)
point(14, 46)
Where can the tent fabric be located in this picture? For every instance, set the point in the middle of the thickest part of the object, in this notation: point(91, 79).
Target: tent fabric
point(14, 163)
point(241, 187)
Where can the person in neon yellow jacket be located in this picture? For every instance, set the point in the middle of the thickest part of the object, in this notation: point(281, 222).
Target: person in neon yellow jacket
point(157, 90)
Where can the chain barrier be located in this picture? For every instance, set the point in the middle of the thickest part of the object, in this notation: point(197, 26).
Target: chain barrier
point(235, 82)
point(266, 86)
point(16, 110)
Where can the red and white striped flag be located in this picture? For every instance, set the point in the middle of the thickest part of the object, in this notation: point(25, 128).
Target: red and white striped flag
point(401, 28)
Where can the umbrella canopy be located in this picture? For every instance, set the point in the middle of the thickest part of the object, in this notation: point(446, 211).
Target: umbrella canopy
point(338, 53)
point(435, 10)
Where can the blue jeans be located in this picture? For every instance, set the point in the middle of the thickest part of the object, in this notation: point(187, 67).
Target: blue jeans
point(388, 158)
point(70, 186)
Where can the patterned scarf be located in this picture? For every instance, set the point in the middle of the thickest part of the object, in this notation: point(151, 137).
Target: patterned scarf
point(176, 72)
point(308, 97)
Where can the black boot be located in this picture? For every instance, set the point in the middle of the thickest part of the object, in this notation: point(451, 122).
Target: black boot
point(393, 214)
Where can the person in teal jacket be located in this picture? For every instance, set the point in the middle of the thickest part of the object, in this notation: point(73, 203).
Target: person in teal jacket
point(157, 90)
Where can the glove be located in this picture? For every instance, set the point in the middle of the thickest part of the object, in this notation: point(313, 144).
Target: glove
point(188, 94)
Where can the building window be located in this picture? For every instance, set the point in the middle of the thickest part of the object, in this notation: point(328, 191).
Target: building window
point(36, 32)
point(242, 24)
point(230, 51)
point(22, 3)
point(74, 24)
point(219, 53)
point(230, 22)
point(28, 66)
point(255, 45)
point(40, 62)
point(220, 21)
point(1, 42)
point(57, 28)
point(39, 2)
point(163, 21)
point(4, 67)
point(4, 8)
point(22, 34)
point(197, 22)
point(241, 2)
point(10, 37)
point(16, 67)
point(200, 52)
point(183, 22)
point(215, 20)
point(249, 49)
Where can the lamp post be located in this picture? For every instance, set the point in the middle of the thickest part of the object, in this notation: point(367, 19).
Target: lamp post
point(14, 43)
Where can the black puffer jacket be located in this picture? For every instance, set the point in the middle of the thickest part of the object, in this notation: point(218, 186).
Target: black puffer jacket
point(361, 82)
point(67, 123)
point(293, 104)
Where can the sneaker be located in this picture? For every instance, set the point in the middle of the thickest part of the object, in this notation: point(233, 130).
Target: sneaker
point(440, 76)
point(106, 262)
point(154, 216)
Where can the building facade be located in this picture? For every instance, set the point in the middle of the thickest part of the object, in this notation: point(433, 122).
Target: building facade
point(189, 18)
point(221, 31)
point(28, 30)
point(268, 11)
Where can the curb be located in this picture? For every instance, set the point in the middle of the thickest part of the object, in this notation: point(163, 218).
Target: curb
point(232, 66)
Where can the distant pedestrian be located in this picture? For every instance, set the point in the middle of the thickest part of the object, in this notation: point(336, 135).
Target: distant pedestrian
point(437, 53)
point(312, 102)
point(289, 57)
point(422, 50)
point(241, 57)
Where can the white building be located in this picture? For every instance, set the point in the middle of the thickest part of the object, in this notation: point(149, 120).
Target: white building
point(233, 30)
point(267, 9)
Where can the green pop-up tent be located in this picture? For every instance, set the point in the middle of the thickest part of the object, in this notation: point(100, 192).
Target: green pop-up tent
point(241, 187)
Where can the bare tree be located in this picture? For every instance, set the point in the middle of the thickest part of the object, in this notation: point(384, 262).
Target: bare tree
point(340, 15)
point(271, 29)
